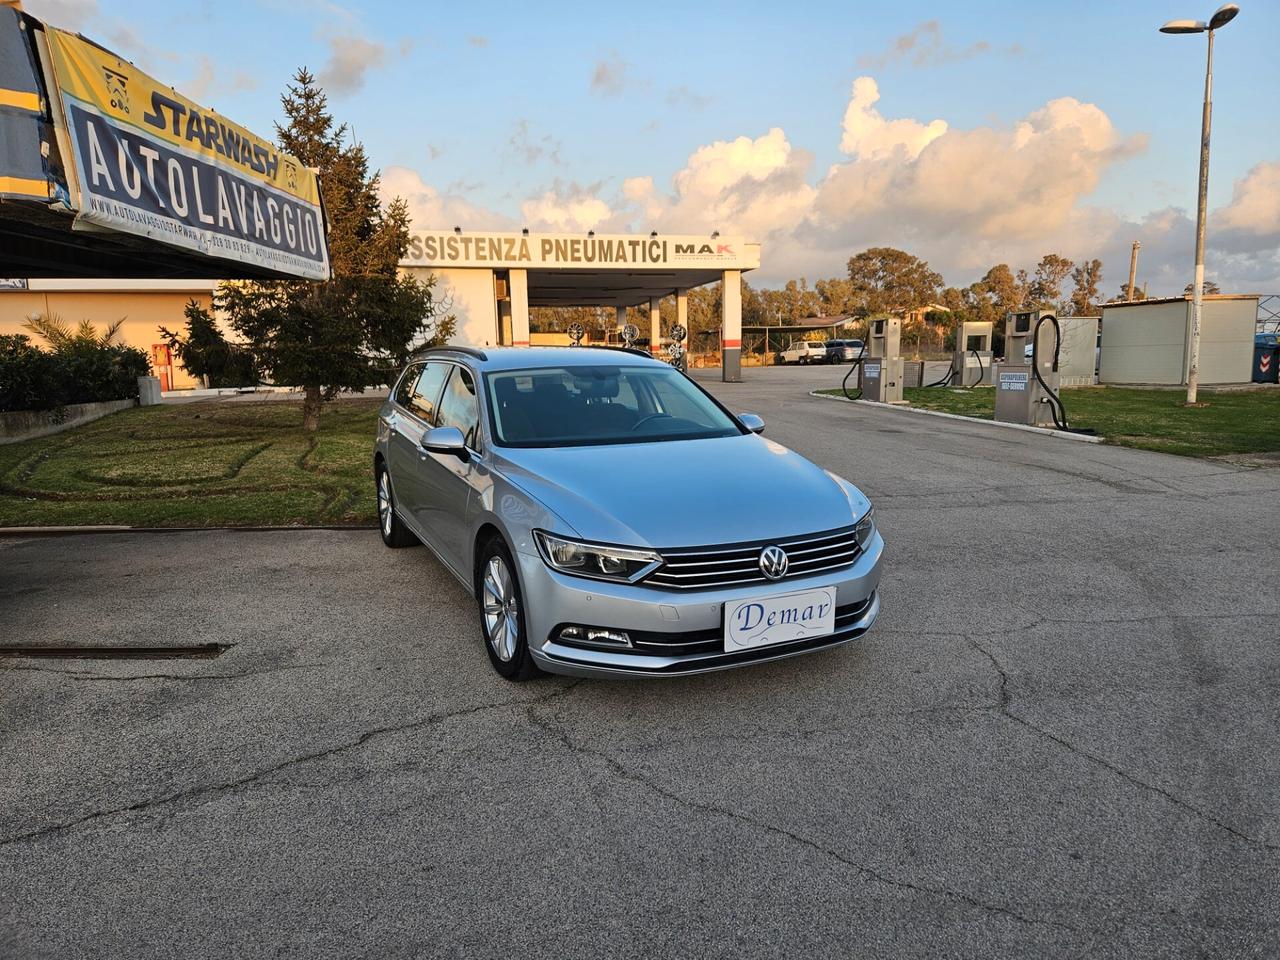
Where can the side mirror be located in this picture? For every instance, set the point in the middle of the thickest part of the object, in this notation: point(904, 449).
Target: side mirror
point(446, 440)
point(752, 422)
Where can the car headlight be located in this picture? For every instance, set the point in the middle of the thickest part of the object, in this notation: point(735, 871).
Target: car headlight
point(865, 529)
point(597, 560)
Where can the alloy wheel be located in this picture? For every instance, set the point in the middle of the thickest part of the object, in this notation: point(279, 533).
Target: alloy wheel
point(501, 609)
point(384, 503)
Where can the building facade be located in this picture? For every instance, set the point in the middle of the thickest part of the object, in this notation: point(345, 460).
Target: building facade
point(143, 305)
point(488, 281)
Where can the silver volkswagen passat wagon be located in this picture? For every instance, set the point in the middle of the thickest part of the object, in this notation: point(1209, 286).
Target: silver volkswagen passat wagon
point(612, 518)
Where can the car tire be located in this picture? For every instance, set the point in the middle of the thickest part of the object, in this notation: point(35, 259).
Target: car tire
point(500, 606)
point(394, 533)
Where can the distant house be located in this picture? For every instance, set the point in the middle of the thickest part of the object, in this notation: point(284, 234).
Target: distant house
point(917, 316)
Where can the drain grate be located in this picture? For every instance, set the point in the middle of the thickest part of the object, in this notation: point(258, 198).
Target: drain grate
point(198, 651)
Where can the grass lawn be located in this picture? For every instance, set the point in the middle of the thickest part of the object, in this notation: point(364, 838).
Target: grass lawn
point(197, 464)
point(1246, 421)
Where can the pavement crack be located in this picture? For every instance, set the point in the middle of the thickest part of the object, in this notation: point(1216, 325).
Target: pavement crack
point(90, 676)
point(240, 783)
point(1005, 708)
point(869, 873)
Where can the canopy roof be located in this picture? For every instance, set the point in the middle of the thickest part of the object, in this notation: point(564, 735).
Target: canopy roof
point(586, 270)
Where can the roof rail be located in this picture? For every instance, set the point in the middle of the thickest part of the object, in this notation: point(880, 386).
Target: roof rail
point(467, 351)
point(632, 350)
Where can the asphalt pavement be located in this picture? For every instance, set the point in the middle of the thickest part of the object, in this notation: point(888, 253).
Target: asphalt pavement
point(1061, 740)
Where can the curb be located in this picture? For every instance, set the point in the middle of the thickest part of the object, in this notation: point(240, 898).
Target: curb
point(1043, 431)
point(52, 531)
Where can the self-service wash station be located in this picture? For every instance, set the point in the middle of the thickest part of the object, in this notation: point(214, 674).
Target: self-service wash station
point(971, 364)
point(1027, 393)
point(882, 368)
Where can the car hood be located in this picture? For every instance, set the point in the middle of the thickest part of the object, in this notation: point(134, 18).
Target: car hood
point(684, 493)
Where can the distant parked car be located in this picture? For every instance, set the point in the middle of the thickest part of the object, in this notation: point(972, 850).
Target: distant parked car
point(843, 351)
point(805, 351)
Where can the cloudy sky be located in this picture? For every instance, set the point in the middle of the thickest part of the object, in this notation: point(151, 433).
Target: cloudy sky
point(968, 134)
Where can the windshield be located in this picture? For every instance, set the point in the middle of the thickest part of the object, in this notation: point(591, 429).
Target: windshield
point(575, 406)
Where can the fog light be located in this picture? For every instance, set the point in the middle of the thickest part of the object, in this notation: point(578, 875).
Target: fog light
point(595, 636)
point(609, 636)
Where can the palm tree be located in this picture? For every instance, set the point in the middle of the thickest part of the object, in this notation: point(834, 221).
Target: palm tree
point(60, 335)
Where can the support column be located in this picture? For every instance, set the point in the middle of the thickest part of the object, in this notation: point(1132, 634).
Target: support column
point(504, 321)
point(655, 327)
point(519, 308)
point(682, 314)
point(622, 320)
point(731, 327)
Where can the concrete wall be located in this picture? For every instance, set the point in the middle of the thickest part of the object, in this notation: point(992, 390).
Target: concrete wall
point(1148, 342)
point(467, 294)
point(29, 424)
point(143, 312)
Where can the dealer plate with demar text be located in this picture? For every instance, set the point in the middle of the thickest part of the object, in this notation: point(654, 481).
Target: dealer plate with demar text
point(763, 621)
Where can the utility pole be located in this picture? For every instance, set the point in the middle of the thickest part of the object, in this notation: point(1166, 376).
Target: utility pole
point(1133, 267)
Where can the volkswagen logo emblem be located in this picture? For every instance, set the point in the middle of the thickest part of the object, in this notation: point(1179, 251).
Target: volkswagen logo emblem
point(773, 562)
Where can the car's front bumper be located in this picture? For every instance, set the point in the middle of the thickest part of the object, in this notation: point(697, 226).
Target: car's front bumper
point(662, 622)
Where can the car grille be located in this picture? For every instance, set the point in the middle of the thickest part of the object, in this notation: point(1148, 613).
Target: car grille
point(710, 642)
point(703, 568)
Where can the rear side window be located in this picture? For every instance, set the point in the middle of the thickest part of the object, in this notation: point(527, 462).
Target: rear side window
point(404, 389)
point(459, 407)
point(426, 393)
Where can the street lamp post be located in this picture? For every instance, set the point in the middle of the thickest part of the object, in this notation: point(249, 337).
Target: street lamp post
point(1221, 17)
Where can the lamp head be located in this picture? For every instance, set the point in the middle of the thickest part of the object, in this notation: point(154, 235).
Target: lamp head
point(1223, 15)
point(1185, 26)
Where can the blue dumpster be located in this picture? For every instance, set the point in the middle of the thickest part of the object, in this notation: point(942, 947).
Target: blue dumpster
point(1266, 358)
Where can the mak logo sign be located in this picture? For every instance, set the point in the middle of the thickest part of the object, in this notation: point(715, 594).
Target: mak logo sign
point(720, 249)
point(450, 248)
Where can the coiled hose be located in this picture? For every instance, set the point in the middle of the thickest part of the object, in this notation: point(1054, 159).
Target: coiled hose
point(982, 371)
point(857, 363)
point(952, 372)
point(1056, 409)
point(946, 377)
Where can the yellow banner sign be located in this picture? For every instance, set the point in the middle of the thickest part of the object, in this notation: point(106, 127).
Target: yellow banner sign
point(151, 162)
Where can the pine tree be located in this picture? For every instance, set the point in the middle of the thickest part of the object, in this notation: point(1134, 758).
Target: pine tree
point(351, 331)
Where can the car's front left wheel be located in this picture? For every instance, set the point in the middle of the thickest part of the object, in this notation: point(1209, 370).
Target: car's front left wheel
point(394, 533)
point(502, 621)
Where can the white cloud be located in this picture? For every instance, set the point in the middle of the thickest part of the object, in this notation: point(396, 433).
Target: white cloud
point(569, 209)
point(429, 208)
point(67, 14)
point(350, 58)
point(868, 136)
point(1255, 203)
point(981, 184)
point(962, 198)
point(741, 186)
